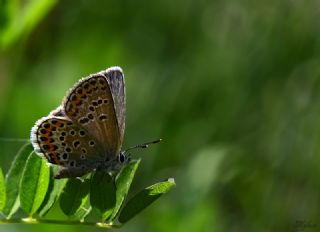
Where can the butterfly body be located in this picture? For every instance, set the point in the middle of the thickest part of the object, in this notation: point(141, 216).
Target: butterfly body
point(86, 132)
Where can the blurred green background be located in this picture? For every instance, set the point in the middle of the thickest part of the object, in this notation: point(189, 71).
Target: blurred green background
point(232, 87)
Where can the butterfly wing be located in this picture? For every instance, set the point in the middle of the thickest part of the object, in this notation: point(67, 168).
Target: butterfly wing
point(115, 78)
point(90, 106)
point(62, 142)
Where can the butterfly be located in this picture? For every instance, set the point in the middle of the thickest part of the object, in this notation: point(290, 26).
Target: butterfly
point(86, 132)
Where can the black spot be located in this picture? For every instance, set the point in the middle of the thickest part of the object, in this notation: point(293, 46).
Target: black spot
point(94, 103)
point(61, 138)
point(63, 133)
point(79, 103)
point(90, 116)
point(51, 140)
point(93, 82)
point(101, 81)
point(82, 157)
point(84, 120)
point(45, 147)
point(86, 86)
point(54, 128)
point(69, 123)
point(63, 144)
point(65, 156)
point(68, 149)
point(103, 88)
point(43, 138)
point(72, 163)
point(55, 147)
point(74, 97)
point(76, 143)
point(72, 132)
point(102, 117)
point(54, 122)
point(91, 108)
point(105, 101)
point(46, 125)
point(91, 143)
point(82, 133)
point(84, 96)
point(58, 156)
point(95, 88)
point(79, 91)
point(43, 131)
point(84, 150)
point(89, 91)
point(99, 101)
point(61, 125)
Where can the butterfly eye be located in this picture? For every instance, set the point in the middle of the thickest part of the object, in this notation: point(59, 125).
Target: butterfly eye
point(121, 158)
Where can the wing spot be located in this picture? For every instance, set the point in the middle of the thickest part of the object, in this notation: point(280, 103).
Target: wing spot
point(83, 120)
point(92, 143)
point(65, 156)
point(105, 101)
point(90, 116)
point(72, 132)
point(82, 157)
point(43, 131)
point(103, 117)
point(68, 149)
point(72, 163)
point(94, 103)
point(46, 125)
point(76, 143)
point(86, 86)
point(84, 151)
point(43, 139)
point(82, 133)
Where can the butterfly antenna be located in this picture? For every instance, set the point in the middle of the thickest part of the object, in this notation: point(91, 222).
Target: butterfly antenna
point(143, 145)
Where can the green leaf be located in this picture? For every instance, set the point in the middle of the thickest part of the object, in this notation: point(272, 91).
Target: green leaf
point(74, 196)
point(123, 183)
point(54, 190)
point(82, 212)
point(2, 191)
point(144, 198)
point(103, 194)
point(13, 180)
point(34, 184)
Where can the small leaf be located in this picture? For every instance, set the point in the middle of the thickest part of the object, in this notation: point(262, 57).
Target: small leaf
point(144, 198)
point(13, 178)
point(123, 183)
point(54, 190)
point(74, 196)
point(82, 212)
point(2, 191)
point(103, 194)
point(34, 184)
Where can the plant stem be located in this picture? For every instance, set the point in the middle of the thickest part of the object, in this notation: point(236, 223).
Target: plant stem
point(57, 222)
